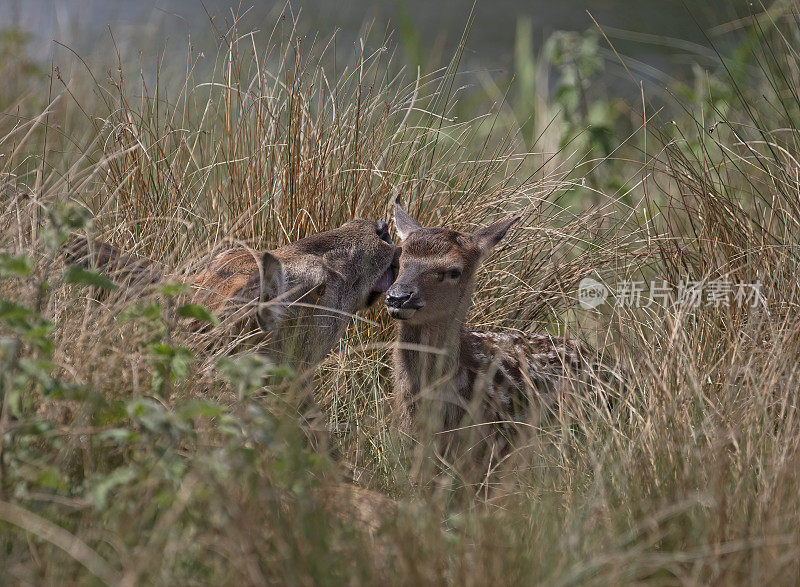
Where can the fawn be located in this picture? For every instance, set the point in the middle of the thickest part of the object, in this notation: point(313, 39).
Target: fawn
point(492, 376)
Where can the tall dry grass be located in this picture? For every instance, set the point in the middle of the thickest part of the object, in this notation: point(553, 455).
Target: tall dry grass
point(132, 454)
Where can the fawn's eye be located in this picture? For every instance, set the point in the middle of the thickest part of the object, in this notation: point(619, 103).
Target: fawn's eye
point(454, 273)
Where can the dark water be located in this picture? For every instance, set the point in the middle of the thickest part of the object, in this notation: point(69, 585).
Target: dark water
point(661, 37)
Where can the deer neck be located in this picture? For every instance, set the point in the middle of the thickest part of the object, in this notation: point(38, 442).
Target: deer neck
point(427, 355)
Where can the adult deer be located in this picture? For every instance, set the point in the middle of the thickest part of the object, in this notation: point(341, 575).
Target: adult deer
point(483, 380)
point(298, 299)
point(294, 303)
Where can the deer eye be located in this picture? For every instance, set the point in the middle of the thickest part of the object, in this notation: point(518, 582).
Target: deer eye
point(454, 273)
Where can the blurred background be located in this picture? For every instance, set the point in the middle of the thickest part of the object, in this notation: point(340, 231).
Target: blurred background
point(661, 37)
point(566, 77)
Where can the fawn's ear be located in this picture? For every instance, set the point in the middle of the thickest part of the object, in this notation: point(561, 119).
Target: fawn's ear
point(403, 222)
point(489, 236)
point(272, 286)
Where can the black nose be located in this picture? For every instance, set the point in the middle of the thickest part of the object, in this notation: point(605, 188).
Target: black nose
point(382, 230)
point(397, 300)
point(403, 300)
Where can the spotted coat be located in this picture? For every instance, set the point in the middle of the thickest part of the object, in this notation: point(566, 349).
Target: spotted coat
point(504, 372)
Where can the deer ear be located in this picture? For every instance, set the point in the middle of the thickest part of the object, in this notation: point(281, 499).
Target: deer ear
point(403, 222)
point(489, 236)
point(272, 285)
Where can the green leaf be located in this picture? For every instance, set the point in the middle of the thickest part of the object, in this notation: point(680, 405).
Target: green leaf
point(102, 486)
point(148, 311)
point(155, 419)
point(15, 266)
point(13, 312)
point(8, 347)
point(39, 336)
point(198, 312)
point(65, 218)
point(14, 398)
point(52, 478)
point(120, 435)
point(200, 408)
point(36, 367)
point(115, 412)
point(174, 289)
point(39, 370)
point(169, 362)
point(181, 361)
point(27, 323)
point(247, 372)
point(81, 276)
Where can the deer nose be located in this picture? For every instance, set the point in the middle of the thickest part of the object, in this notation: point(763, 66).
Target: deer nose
point(382, 230)
point(403, 299)
point(397, 300)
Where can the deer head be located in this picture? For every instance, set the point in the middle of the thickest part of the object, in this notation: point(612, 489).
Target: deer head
point(437, 268)
point(308, 290)
point(301, 295)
